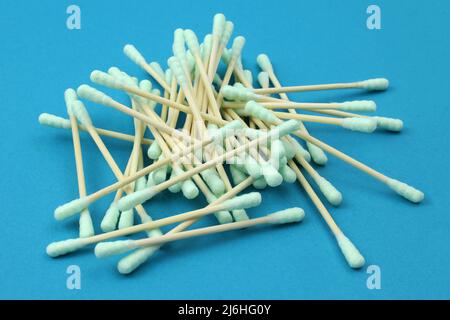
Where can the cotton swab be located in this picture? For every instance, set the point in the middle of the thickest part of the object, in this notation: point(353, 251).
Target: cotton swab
point(53, 121)
point(354, 106)
point(86, 227)
point(348, 249)
point(59, 248)
point(378, 84)
point(399, 187)
point(106, 249)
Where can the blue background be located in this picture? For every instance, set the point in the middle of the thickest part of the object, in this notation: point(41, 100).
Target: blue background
point(309, 42)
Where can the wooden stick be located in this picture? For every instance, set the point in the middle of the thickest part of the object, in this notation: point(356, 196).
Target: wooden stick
point(351, 85)
point(170, 237)
point(85, 216)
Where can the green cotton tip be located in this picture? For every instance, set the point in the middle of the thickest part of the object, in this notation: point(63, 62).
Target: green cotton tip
point(263, 79)
point(191, 41)
point(285, 128)
point(264, 62)
point(157, 67)
point(71, 208)
point(358, 106)
point(212, 129)
point(248, 200)
point(217, 81)
point(175, 188)
point(286, 216)
point(107, 249)
point(135, 259)
point(141, 183)
point(283, 162)
point(258, 111)
point(133, 199)
point(248, 76)
point(277, 150)
point(238, 45)
point(106, 80)
point(154, 151)
point(260, 183)
point(145, 85)
point(207, 43)
point(406, 191)
point(109, 221)
point(318, 156)
point(168, 76)
point(134, 55)
point(378, 84)
point(237, 175)
point(255, 133)
point(389, 124)
point(240, 215)
point(299, 150)
point(289, 149)
point(227, 32)
point(252, 167)
point(213, 181)
point(177, 70)
point(230, 129)
point(150, 181)
point(69, 97)
point(234, 93)
point(333, 196)
point(53, 121)
point(359, 124)
point(80, 112)
point(189, 189)
point(126, 219)
point(86, 92)
point(226, 56)
point(190, 61)
point(86, 228)
point(288, 174)
point(115, 72)
point(271, 175)
point(223, 217)
point(218, 24)
point(160, 174)
point(60, 248)
point(354, 258)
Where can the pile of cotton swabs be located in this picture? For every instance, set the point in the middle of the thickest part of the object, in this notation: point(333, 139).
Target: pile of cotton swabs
point(210, 137)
